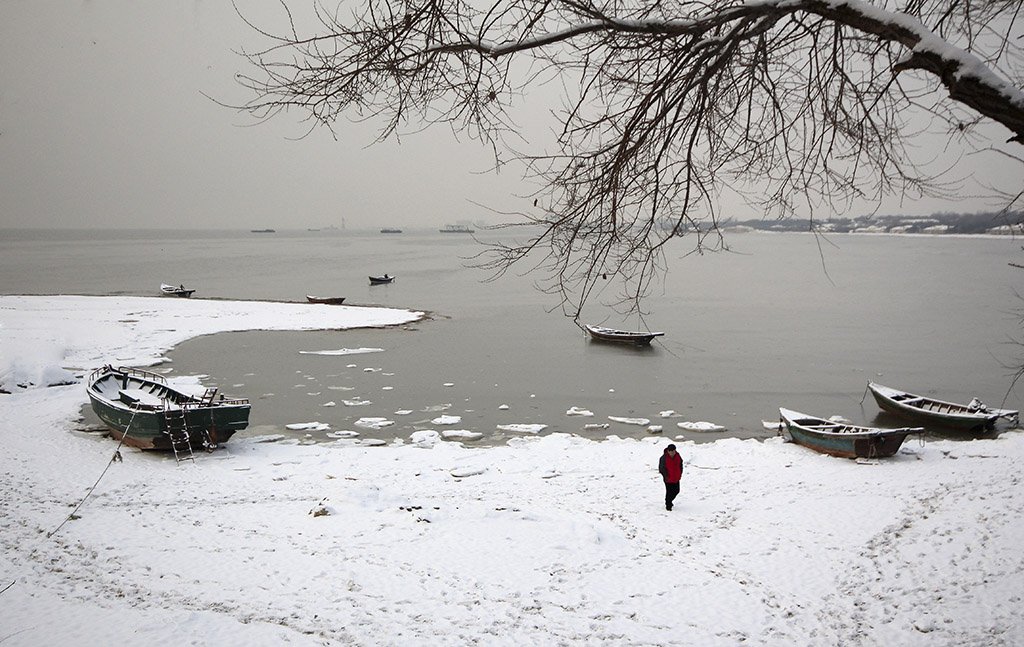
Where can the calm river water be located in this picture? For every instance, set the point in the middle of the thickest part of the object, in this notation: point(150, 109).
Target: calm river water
point(776, 322)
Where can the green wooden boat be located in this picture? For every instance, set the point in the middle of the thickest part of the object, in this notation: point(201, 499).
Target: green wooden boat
point(842, 439)
point(144, 411)
point(968, 417)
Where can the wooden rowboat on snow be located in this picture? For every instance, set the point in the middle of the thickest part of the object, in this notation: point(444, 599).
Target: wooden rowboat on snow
point(144, 411)
point(842, 439)
point(172, 291)
point(968, 417)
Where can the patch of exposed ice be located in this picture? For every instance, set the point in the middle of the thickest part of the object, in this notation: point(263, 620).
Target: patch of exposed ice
point(503, 407)
point(403, 412)
point(356, 403)
point(771, 426)
point(596, 425)
point(669, 414)
point(373, 442)
point(332, 403)
point(654, 429)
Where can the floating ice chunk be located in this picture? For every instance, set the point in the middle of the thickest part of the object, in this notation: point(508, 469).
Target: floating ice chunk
point(370, 370)
point(425, 438)
point(449, 384)
point(446, 420)
point(374, 423)
point(461, 434)
point(403, 412)
point(342, 388)
point(523, 428)
point(840, 420)
point(463, 472)
point(654, 429)
point(700, 426)
point(342, 434)
point(315, 426)
point(771, 426)
point(669, 414)
point(332, 403)
point(373, 442)
point(387, 388)
point(503, 407)
point(342, 351)
point(356, 403)
point(596, 425)
point(577, 411)
point(643, 422)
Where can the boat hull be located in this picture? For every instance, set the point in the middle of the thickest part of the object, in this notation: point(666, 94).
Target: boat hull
point(380, 280)
point(141, 422)
point(864, 442)
point(934, 412)
point(334, 301)
point(622, 336)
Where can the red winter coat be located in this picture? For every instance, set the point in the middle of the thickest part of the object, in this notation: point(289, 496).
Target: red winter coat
point(671, 467)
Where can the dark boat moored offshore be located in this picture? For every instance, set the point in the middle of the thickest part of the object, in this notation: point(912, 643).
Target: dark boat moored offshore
point(144, 411)
point(334, 301)
point(171, 291)
point(380, 280)
point(968, 417)
point(622, 336)
point(843, 439)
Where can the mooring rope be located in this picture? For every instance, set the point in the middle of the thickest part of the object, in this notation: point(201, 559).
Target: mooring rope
point(113, 459)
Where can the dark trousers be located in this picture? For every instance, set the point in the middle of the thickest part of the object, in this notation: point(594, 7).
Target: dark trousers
point(671, 490)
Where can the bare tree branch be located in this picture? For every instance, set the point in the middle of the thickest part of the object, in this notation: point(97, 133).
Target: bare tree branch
point(793, 104)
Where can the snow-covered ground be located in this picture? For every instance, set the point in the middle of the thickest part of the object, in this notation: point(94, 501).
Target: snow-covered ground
point(550, 540)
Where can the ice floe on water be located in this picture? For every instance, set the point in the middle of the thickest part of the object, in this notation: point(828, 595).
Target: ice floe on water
point(700, 426)
point(523, 428)
point(425, 437)
point(641, 422)
point(578, 411)
point(596, 426)
point(654, 429)
point(342, 434)
point(312, 426)
point(332, 403)
point(342, 351)
point(446, 420)
point(374, 422)
point(356, 403)
point(461, 434)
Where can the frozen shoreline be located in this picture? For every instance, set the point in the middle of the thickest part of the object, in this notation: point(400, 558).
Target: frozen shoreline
point(544, 541)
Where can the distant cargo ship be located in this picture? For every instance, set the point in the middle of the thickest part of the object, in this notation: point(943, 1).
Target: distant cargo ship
point(263, 231)
point(456, 229)
point(390, 231)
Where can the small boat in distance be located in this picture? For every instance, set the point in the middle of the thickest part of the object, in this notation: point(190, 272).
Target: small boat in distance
point(967, 417)
point(171, 291)
point(334, 301)
point(143, 411)
point(842, 439)
point(263, 231)
point(387, 230)
point(637, 338)
point(378, 280)
point(456, 229)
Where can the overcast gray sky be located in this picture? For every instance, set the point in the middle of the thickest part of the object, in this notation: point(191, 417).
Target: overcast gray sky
point(103, 123)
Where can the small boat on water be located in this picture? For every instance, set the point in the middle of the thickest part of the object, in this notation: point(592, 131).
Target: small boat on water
point(968, 417)
point(637, 338)
point(390, 230)
point(263, 231)
point(334, 301)
point(842, 439)
point(172, 291)
point(144, 411)
point(378, 280)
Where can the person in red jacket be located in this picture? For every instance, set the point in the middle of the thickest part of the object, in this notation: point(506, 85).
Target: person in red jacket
point(671, 467)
